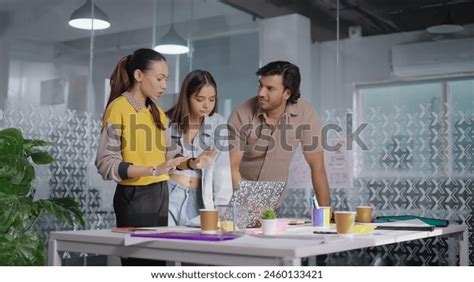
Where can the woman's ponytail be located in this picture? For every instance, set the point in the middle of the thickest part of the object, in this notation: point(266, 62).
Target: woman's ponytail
point(119, 80)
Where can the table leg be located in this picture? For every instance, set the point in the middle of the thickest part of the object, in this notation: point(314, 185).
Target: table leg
point(452, 250)
point(292, 261)
point(53, 256)
point(463, 245)
point(458, 244)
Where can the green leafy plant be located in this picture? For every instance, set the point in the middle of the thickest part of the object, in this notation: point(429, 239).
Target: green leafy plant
point(20, 240)
point(268, 214)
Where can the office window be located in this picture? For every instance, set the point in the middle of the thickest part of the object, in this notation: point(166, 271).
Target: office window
point(461, 97)
point(417, 128)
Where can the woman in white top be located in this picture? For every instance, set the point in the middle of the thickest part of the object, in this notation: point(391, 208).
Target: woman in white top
point(199, 134)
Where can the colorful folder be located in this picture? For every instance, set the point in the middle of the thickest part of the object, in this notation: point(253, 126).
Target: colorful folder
point(188, 236)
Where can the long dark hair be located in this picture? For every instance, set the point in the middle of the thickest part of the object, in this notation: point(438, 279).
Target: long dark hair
point(289, 72)
point(122, 78)
point(192, 83)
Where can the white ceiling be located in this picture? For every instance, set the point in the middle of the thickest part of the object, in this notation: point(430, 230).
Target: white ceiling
point(46, 20)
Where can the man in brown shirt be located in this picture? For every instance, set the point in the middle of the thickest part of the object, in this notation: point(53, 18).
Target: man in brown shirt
point(266, 130)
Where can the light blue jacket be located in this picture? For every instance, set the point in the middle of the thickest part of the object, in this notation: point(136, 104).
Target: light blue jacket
point(216, 178)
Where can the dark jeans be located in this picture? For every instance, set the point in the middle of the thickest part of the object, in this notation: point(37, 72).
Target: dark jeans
point(141, 206)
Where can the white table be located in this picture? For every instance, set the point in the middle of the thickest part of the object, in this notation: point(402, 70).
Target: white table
point(247, 250)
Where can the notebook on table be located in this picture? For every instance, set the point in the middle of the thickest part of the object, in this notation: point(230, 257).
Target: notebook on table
point(431, 221)
point(133, 229)
point(188, 236)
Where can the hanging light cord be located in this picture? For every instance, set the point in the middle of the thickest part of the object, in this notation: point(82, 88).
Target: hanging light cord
point(153, 36)
point(172, 12)
point(337, 57)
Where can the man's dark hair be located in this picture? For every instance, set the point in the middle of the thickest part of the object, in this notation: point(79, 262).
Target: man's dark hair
point(290, 74)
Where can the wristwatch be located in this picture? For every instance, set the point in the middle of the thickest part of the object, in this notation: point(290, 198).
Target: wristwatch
point(153, 170)
point(188, 163)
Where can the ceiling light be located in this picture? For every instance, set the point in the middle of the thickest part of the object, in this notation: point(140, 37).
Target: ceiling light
point(82, 18)
point(172, 43)
point(447, 26)
point(444, 28)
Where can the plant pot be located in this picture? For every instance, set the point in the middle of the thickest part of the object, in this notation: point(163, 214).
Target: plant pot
point(269, 226)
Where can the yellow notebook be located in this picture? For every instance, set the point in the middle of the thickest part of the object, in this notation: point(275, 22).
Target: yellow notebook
point(363, 228)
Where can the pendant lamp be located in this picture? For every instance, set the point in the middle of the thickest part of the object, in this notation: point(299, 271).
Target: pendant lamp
point(82, 18)
point(172, 43)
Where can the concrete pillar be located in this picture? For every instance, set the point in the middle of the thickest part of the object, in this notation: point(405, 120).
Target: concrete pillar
point(4, 70)
point(288, 38)
point(4, 56)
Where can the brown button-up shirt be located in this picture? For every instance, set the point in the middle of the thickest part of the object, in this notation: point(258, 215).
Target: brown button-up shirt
point(268, 149)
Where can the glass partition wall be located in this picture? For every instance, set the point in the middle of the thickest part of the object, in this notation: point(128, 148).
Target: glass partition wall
point(55, 81)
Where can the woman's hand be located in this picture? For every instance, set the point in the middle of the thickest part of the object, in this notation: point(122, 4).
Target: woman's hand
point(204, 159)
point(168, 165)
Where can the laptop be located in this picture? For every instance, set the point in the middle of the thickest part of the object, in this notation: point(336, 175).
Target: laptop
point(253, 197)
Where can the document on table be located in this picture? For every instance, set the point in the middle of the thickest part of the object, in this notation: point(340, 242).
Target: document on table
point(401, 223)
point(405, 225)
point(129, 240)
point(282, 241)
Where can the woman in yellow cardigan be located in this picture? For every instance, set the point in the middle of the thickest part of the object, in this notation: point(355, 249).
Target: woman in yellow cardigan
point(133, 143)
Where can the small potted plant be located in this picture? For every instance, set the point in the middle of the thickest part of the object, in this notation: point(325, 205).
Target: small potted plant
point(269, 222)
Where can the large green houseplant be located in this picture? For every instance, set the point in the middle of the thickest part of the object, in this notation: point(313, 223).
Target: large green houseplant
point(20, 240)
